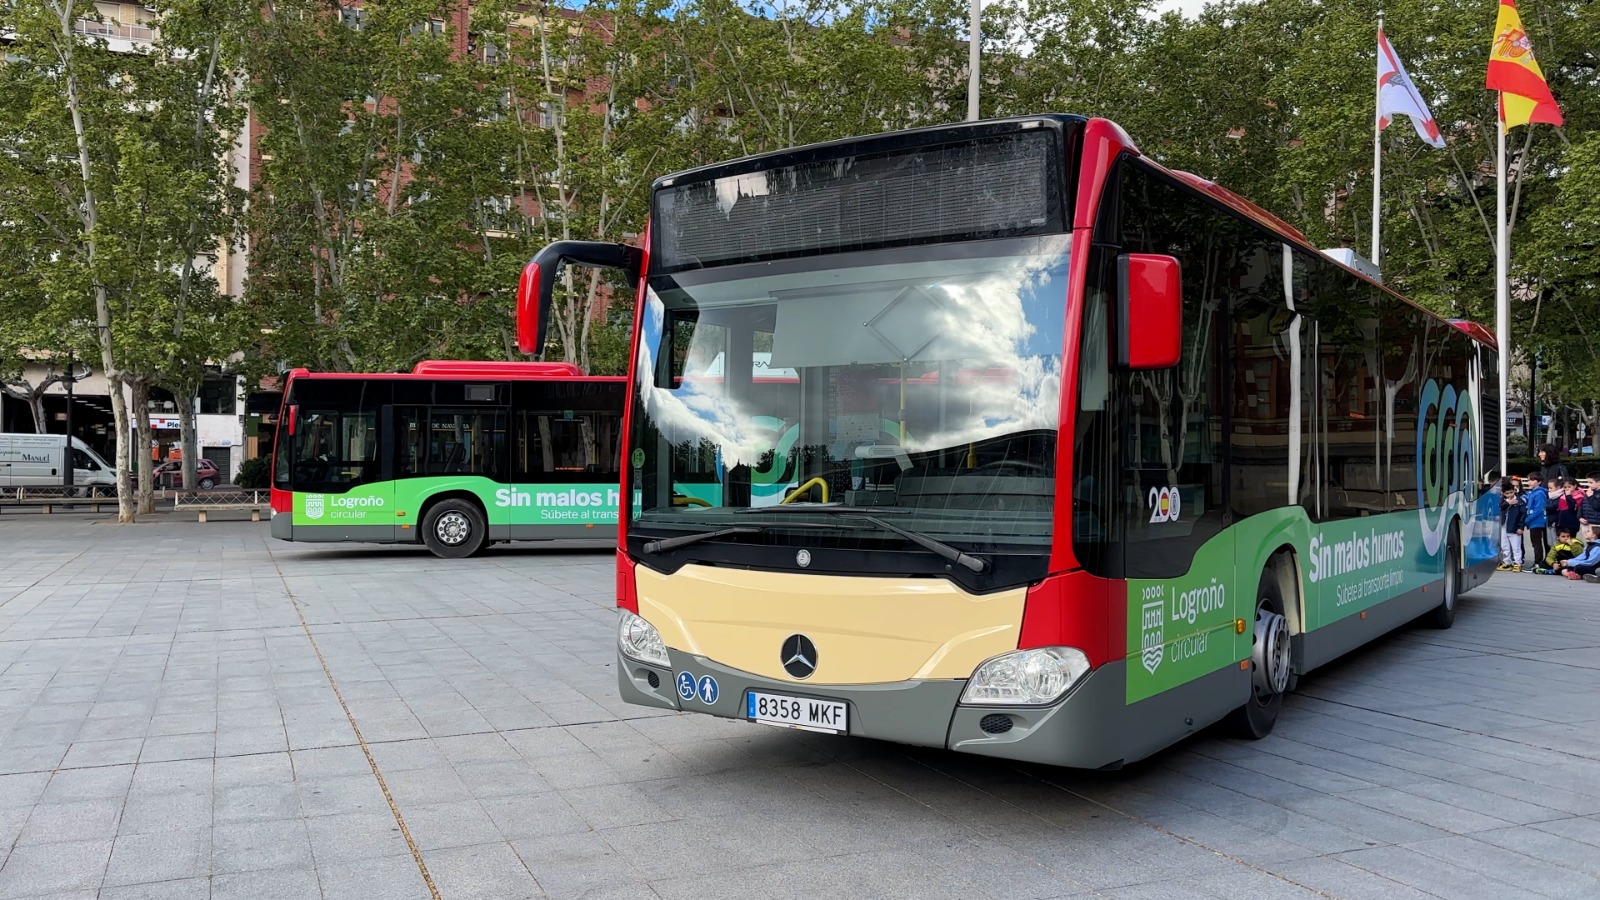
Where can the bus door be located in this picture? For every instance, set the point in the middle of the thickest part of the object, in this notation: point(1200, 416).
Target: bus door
point(341, 490)
point(456, 448)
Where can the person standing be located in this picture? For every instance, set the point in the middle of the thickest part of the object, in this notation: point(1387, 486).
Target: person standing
point(1537, 500)
point(1514, 520)
point(1553, 470)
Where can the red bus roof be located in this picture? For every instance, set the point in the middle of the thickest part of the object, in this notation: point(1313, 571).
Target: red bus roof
point(497, 369)
point(445, 369)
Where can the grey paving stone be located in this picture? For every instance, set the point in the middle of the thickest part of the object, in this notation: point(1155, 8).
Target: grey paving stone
point(269, 884)
point(352, 836)
point(578, 865)
point(517, 647)
point(533, 815)
point(252, 739)
point(37, 758)
point(413, 787)
point(463, 823)
point(255, 803)
point(251, 769)
point(185, 776)
point(1520, 869)
point(481, 872)
point(160, 856)
point(44, 868)
point(253, 846)
point(329, 762)
point(341, 794)
point(1340, 879)
point(390, 877)
point(147, 813)
point(111, 729)
point(501, 779)
point(166, 748)
point(94, 749)
point(88, 784)
point(178, 889)
point(73, 820)
point(1432, 875)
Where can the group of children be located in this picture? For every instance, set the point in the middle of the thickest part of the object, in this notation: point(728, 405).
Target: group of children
point(1530, 508)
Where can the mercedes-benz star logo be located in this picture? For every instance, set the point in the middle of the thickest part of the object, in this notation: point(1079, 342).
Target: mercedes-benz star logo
point(799, 656)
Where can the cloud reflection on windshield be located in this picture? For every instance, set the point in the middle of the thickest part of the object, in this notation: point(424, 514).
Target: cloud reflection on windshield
point(997, 323)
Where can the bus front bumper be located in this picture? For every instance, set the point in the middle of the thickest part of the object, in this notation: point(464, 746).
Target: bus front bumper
point(1081, 730)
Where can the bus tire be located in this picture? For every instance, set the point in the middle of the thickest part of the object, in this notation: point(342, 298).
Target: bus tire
point(1444, 615)
point(454, 529)
point(1270, 664)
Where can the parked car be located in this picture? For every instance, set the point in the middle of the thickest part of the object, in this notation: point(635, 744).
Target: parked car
point(205, 473)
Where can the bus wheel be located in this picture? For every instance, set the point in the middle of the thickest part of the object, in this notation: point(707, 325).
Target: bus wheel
point(1269, 664)
point(1444, 615)
point(454, 529)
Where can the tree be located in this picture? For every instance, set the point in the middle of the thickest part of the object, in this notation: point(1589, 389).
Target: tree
point(108, 169)
point(377, 167)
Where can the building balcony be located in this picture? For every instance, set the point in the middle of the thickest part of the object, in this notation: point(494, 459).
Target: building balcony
point(116, 30)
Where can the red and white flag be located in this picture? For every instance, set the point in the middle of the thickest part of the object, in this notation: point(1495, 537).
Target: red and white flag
point(1397, 96)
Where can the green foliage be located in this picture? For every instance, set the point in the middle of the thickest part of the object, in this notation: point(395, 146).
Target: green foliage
point(408, 167)
point(254, 473)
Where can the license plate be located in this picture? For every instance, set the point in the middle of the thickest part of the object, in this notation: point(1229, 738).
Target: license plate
point(830, 716)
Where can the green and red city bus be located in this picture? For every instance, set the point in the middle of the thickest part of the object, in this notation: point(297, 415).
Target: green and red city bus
point(454, 455)
point(1003, 438)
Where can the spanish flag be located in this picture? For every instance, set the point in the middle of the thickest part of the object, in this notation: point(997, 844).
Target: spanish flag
point(1524, 95)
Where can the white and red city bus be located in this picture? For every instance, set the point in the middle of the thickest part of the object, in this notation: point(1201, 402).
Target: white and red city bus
point(1003, 438)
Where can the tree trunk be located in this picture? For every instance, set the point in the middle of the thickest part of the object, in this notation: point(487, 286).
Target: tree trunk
point(89, 216)
point(36, 405)
point(186, 427)
point(142, 443)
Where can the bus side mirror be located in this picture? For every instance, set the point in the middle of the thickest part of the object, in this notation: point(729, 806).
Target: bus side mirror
point(294, 416)
point(1150, 295)
point(538, 283)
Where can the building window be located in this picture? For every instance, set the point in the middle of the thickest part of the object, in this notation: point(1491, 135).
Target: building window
point(353, 17)
point(219, 397)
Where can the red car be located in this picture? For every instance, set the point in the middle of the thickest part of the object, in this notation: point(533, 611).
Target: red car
point(205, 472)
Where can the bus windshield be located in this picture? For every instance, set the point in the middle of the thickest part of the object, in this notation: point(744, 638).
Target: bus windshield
point(921, 383)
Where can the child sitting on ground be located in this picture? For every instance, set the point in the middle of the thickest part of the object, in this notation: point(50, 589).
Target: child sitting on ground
point(1584, 565)
point(1566, 547)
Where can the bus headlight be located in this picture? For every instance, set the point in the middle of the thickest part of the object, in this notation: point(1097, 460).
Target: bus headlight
point(640, 640)
point(1026, 677)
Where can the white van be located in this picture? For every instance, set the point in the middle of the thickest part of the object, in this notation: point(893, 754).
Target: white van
point(38, 460)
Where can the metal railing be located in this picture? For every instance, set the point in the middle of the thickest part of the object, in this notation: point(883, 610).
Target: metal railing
point(223, 499)
point(46, 494)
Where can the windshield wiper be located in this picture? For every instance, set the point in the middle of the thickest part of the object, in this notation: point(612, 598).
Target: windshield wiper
point(687, 539)
point(932, 545)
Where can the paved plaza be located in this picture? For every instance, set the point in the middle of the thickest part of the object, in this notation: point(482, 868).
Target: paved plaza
point(192, 711)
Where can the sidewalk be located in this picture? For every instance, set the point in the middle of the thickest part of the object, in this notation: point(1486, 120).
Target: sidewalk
point(215, 714)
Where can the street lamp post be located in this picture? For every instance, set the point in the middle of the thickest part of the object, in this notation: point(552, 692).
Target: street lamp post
point(69, 379)
point(72, 465)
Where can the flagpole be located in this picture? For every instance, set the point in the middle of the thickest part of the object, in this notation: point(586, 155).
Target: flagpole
point(1377, 152)
point(1502, 287)
point(974, 37)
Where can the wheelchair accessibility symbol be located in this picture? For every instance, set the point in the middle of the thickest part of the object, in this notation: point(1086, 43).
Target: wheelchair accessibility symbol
point(687, 688)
